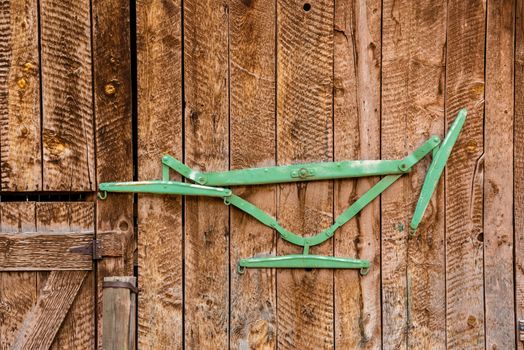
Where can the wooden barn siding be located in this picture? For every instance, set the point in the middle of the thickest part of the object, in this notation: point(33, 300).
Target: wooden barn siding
point(234, 84)
point(359, 79)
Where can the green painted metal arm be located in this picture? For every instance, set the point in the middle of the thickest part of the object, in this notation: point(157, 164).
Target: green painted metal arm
point(164, 187)
point(436, 168)
point(301, 261)
point(301, 172)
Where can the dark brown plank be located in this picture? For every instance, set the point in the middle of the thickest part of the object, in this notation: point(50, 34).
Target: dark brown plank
point(77, 329)
point(518, 166)
point(206, 148)
point(160, 251)
point(114, 155)
point(465, 176)
point(67, 129)
point(18, 291)
point(43, 321)
point(45, 251)
point(252, 139)
point(304, 133)
point(20, 153)
point(357, 136)
point(498, 176)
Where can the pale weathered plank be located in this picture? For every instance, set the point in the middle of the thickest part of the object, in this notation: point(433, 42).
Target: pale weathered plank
point(206, 148)
point(426, 303)
point(114, 155)
point(518, 166)
point(18, 291)
point(20, 97)
point(305, 49)
point(67, 123)
point(42, 323)
point(160, 251)
point(119, 314)
point(498, 176)
point(45, 251)
point(252, 139)
point(464, 176)
point(77, 330)
point(357, 136)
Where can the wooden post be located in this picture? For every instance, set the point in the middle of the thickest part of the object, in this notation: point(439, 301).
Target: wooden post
point(118, 319)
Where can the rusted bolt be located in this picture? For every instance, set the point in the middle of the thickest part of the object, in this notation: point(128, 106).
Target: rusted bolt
point(27, 67)
point(22, 83)
point(472, 321)
point(24, 131)
point(109, 89)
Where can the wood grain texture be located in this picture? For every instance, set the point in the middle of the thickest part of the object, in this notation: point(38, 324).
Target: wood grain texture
point(114, 155)
point(18, 290)
point(498, 176)
point(305, 49)
point(160, 253)
point(357, 136)
point(78, 328)
point(67, 123)
point(45, 251)
point(206, 148)
point(518, 165)
point(20, 152)
point(465, 176)
point(44, 319)
point(252, 139)
point(119, 315)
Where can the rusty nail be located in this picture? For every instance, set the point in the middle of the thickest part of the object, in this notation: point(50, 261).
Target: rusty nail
point(109, 89)
point(22, 83)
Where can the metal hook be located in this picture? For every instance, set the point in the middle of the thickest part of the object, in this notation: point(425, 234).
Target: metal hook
point(364, 271)
point(102, 196)
point(240, 269)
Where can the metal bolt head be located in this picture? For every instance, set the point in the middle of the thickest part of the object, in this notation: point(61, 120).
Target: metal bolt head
point(302, 173)
point(22, 83)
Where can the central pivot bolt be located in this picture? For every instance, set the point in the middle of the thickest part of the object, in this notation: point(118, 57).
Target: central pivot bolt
point(302, 173)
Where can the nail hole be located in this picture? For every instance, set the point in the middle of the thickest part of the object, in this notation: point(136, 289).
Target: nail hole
point(307, 6)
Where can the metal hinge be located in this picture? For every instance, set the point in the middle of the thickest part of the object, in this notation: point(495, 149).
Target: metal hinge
point(521, 330)
point(94, 249)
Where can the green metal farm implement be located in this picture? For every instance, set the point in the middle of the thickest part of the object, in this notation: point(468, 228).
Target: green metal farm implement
point(213, 184)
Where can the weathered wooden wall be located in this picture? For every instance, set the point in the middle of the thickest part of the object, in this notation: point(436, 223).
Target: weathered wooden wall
point(94, 91)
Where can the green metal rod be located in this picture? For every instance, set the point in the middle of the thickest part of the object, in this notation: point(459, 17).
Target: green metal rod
point(436, 168)
point(164, 187)
point(300, 261)
point(302, 172)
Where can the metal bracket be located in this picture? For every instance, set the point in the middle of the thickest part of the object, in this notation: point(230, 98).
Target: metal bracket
point(207, 182)
point(94, 249)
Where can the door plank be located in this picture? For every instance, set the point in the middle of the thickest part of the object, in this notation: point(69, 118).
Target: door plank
point(77, 330)
point(43, 321)
point(206, 148)
point(20, 97)
point(498, 177)
point(464, 176)
point(114, 149)
point(252, 140)
point(18, 290)
point(518, 178)
point(305, 133)
point(357, 136)
point(67, 130)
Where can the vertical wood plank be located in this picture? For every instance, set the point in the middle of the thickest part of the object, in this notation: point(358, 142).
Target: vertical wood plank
point(305, 133)
point(414, 44)
point(498, 180)
point(518, 158)
point(20, 152)
point(465, 176)
point(160, 253)
point(206, 148)
point(67, 130)
point(252, 135)
point(78, 328)
point(18, 291)
point(357, 136)
point(119, 314)
point(114, 155)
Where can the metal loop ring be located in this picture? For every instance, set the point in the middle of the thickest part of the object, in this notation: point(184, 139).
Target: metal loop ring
point(102, 196)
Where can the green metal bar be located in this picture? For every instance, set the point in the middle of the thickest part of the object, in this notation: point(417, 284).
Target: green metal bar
point(436, 168)
point(300, 261)
point(164, 187)
point(303, 172)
